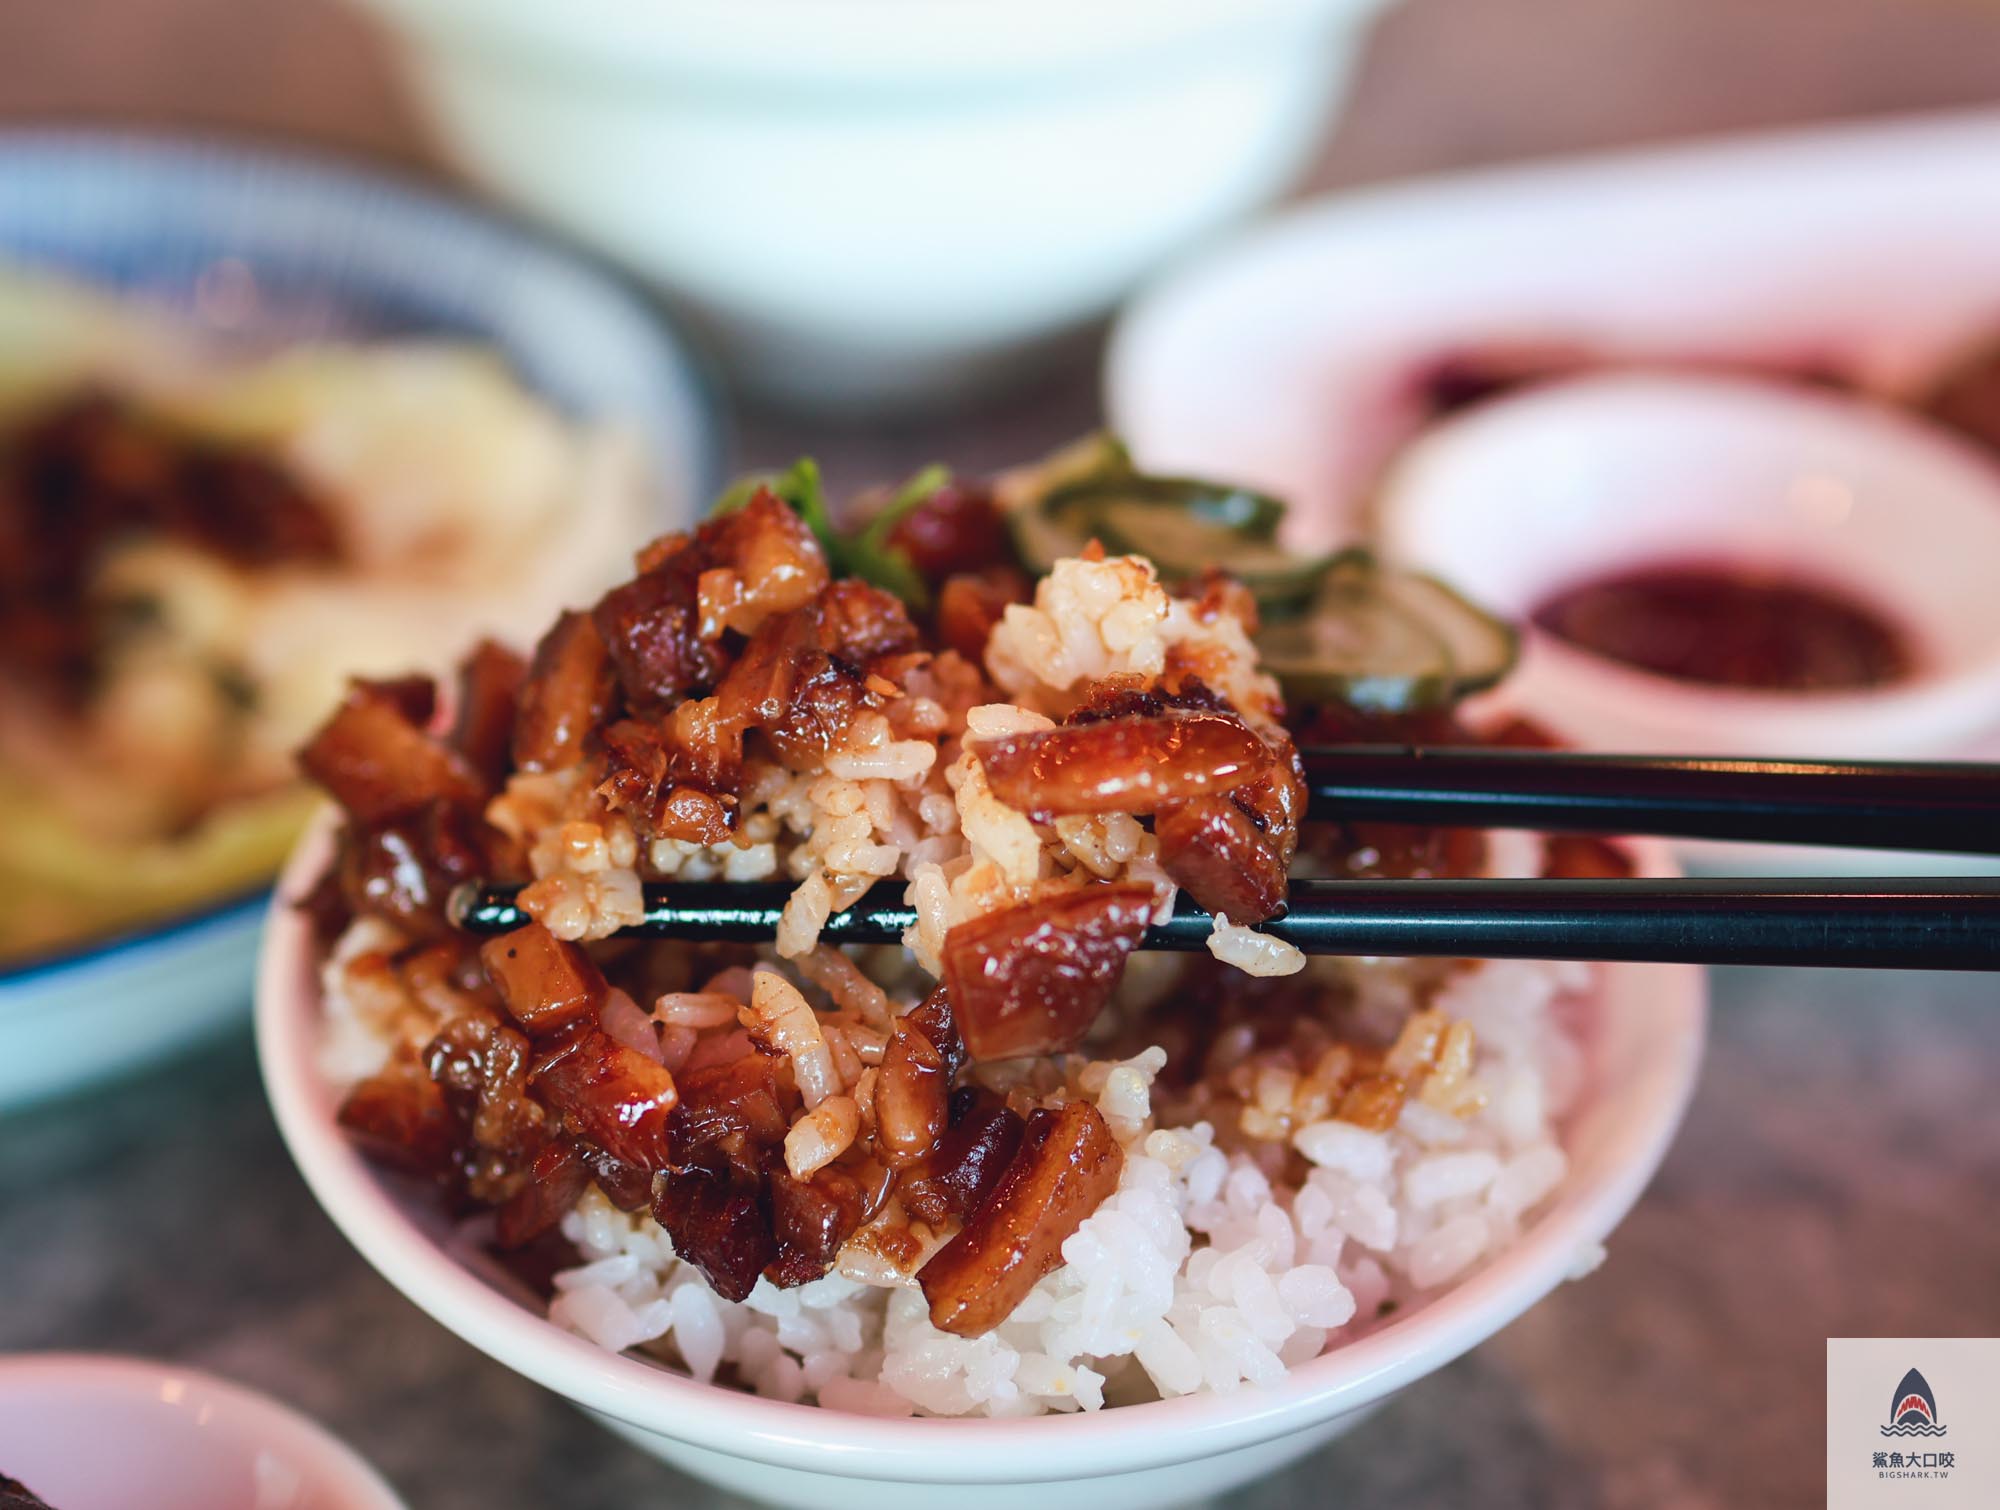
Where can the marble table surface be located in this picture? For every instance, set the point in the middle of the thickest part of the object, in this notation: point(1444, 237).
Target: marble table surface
point(1835, 1177)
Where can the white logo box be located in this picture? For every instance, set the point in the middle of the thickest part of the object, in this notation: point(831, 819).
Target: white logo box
point(1912, 1422)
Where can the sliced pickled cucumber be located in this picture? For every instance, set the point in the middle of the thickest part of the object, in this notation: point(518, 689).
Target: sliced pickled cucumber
point(1183, 525)
point(1353, 646)
point(1341, 628)
point(1386, 641)
point(1483, 648)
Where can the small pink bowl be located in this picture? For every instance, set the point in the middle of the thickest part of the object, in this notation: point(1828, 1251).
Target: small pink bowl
point(103, 1433)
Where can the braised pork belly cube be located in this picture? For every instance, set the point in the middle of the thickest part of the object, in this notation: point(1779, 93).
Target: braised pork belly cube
point(948, 1183)
point(1067, 1166)
point(548, 984)
point(376, 760)
point(569, 690)
point(1030, 979)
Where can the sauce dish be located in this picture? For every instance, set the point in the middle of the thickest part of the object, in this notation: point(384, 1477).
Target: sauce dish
point(1529, 495)
point(870, 202)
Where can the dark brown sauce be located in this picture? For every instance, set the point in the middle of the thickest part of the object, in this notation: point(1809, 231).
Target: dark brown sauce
point(1732, 626)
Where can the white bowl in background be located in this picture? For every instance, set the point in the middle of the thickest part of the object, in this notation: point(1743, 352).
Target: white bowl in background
point(334, 253)
point(1531, 494)
point(1644, 1053)
point(874, 202)
point(89, 1432)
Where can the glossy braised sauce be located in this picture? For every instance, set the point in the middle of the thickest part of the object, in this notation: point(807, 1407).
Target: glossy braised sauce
point(1731, 626)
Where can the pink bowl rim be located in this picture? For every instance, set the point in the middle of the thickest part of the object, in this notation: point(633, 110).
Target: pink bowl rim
point(977, 1451)
point(331, 1465)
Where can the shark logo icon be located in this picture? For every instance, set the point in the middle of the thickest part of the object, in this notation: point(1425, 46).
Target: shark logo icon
point(1913, 1412)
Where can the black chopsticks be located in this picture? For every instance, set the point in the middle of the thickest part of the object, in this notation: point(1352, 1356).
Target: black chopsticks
point(1919, 923)
point(1888, 922)
point(1913, 805)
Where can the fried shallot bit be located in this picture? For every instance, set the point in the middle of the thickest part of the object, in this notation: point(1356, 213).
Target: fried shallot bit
point(548, 984)
point(615, 1096)
point(1123, 765)
point(719, 1225)
point(1068, 1165)
point(569, 691)
point(911, 1092)
point(482, 729)
point(376, 762)
point(1030, 979)
point(1373, 1102)
point(556, 1181)
point(948, 1183)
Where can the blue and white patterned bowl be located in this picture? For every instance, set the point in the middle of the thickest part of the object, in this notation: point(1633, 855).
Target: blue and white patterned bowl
point(332, 253)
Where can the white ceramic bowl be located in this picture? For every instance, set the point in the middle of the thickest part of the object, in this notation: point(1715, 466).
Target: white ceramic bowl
point(877, 201)
point(1290, 356)
point(1528, 495)
point(1644, 1058)
point(98, 1433)
point(333, 253)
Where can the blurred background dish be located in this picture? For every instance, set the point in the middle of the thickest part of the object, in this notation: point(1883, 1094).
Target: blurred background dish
point(92, 1432)
point(872, 203)
point(1870, 535)
point(1302, 355)
point(175, 314)
point(1312, 353)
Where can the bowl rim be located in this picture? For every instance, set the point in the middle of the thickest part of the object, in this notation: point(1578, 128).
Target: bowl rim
point(982, 1450)
point(838, 43)
point(336, 1467)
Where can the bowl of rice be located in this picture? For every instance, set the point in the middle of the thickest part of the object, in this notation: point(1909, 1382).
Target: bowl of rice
point(1012, 1207)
